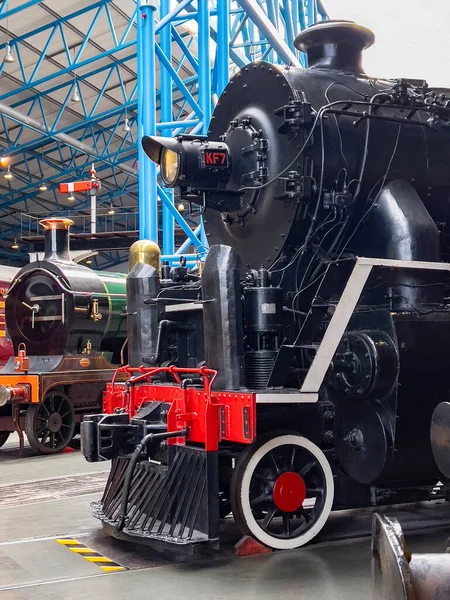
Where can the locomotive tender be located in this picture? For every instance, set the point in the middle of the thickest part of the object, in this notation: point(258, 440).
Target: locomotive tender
point(300, 372)
point(67, 324)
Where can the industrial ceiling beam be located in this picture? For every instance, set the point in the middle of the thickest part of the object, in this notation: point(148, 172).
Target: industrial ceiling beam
point(61, 137)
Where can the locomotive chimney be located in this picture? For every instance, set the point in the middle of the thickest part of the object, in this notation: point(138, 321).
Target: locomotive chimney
point(335, 45)
point(56, 238)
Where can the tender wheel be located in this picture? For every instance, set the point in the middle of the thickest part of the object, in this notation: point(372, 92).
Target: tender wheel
point(50, 424)
point(282, 491)
point(4, 435)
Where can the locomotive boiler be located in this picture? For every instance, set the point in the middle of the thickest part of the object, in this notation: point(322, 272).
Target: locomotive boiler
point(67, 324)
point(299, 373)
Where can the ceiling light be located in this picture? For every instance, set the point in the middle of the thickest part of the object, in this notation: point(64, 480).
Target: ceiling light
point(180, 207)
point(111, 211)
point(8, 58)
point(8, 174)
point(43, 187)
point(126, 126)
point(4, 160)
point(15, 245)
point(71, 197)
point(75, 96)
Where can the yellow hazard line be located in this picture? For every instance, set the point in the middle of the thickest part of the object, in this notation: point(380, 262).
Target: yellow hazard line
point(105, 564)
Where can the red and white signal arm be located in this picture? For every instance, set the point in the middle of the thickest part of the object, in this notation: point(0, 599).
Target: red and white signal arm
point(75, 186)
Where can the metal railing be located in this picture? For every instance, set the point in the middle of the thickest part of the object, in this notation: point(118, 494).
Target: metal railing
point(122, 220)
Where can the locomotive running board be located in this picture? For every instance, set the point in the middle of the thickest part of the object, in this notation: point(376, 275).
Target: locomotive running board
point(342, 315)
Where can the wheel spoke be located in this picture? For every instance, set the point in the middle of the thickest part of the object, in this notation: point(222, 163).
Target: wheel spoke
point(287, 524)
point(44, 432)
point(260, 499)
point(306, 469)
point(294, 449)
point(45, 408)
point(314, 492)
point(268, 518)
point(305, 514)
point(262, 478)
point(53, 440)
point(52, 403)
point(65, 414)
point(274, 462)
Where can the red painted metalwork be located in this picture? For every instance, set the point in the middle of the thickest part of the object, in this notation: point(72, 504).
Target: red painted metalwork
point(211, 416)
point(76, 186)
point(289, 492)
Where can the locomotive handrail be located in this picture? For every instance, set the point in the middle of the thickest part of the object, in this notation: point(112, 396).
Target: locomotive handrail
point(208, 375)
point(146, 372)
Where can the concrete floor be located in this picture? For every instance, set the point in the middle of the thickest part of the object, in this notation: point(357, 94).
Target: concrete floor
point(43, 498)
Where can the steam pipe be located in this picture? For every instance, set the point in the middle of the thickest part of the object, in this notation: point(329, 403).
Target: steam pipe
point(61, 137)
point(150, 437)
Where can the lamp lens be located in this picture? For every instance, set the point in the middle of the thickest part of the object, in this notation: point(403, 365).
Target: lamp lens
point(170, 164)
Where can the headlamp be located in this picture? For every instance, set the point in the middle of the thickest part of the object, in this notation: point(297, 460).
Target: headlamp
point(170, 166)
point(190, 161)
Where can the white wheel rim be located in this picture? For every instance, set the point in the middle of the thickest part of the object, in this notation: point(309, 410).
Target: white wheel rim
point(244, 491)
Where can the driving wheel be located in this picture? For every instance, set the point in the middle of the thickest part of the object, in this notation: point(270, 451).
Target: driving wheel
point(50, 425)
point(282, 490)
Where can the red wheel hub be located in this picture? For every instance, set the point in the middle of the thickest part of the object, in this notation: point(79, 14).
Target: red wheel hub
point(289, 492)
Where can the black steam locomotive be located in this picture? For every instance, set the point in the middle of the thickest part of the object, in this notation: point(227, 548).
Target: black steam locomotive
point(68, 326)
point(300, 372)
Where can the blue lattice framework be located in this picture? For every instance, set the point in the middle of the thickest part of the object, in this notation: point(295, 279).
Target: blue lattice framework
point(185, 51)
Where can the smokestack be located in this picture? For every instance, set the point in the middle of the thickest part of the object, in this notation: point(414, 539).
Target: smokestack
point(56, 239)
point(335, 45)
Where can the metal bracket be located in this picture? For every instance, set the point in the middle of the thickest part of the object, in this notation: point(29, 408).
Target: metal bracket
point(297, 186)
point(295, 114)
